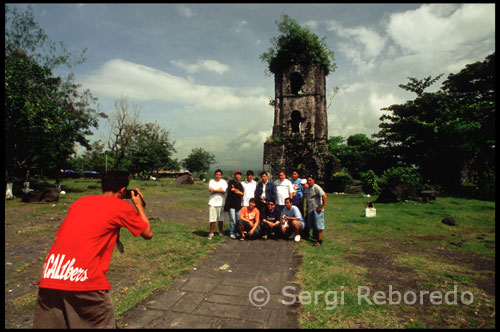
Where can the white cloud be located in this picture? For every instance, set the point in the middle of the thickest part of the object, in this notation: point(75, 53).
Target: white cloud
point(185, 11)
point(312, 24)
point(360, 44)
point(435, 29)
point(207, 65)
point(240, 26)
point(229, 121)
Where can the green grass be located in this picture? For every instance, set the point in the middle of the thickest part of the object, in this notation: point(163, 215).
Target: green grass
point(405, 245)
point(416, 246)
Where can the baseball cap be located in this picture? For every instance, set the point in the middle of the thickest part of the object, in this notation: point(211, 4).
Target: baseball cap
point(303, 181)
point(238, 171)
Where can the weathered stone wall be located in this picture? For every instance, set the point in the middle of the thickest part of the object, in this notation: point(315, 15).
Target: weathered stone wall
point(300, 130)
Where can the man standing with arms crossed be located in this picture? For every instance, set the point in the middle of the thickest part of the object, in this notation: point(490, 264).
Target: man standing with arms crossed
point(74, 291)
point(284, 189)
point(217, 188)
point(316, 200)
point(233, 203)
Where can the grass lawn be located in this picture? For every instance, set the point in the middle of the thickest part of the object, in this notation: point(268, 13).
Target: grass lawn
point(408, 248)
point(405, 246)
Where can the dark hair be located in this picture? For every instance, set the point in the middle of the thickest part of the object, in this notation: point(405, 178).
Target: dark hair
point(271, 200)
point(288, 199)
point(250, 172)
point(310, 176)
point(296, 170)
point(218, 170)
point(263, 173)
point(251, 200)
point(114, 181)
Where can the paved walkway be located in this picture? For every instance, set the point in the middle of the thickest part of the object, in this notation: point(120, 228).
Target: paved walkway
point(217, 293)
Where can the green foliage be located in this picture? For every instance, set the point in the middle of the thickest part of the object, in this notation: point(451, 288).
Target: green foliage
point(23, 33)
point(151, 149)
point(360, 154)
point(369, 182)
point(297, 45)
point(338, 182)
point(449, 134)
point(408, 177)
point(199, 160)
point(44, 116)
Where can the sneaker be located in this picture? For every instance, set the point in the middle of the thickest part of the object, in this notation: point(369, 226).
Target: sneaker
point(297, 238)
point(232, 236)
point(264, 237)
point(210, 236)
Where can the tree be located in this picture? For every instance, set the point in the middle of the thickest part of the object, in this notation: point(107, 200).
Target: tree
point(44, 115)
point(123, 127)
point(22, 33)
point(199, 160)
point(151, 149)
point(449, 135)
point(359, 154)
point(297, 45)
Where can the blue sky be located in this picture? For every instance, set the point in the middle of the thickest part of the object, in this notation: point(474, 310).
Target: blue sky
point(195, 68)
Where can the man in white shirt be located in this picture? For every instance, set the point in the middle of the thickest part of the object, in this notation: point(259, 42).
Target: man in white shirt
point(249, 186)
point(217, 188)
point(284, 189)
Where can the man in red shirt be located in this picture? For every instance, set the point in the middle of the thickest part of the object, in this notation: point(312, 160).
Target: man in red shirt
point(74, 291)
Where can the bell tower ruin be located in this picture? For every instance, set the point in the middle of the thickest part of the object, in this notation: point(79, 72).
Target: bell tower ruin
point(300, 131)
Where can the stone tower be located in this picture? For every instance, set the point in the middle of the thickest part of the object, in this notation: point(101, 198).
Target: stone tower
point(300, 130)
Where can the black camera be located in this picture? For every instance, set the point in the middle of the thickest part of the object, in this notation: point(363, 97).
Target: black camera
point(128, 195)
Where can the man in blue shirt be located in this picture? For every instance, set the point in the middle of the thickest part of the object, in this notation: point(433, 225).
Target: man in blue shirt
point(270, 221)
point(291, 220)
point(264, 192)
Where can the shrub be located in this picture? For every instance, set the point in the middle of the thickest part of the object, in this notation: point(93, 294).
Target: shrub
point(339, 182)
point(399, 184)
point(369, 182)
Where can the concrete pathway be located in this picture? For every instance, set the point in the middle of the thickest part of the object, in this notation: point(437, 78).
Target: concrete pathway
point(219, 293)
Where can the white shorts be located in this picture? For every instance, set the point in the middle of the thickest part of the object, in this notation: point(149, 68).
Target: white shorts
point(216, 213)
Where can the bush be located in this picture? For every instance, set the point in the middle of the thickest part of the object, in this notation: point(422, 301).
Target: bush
point(339, 182)
point(369, 182)
point(399, 184)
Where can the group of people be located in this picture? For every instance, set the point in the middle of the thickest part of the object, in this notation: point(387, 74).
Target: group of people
point(74, 292)
point(267, 209)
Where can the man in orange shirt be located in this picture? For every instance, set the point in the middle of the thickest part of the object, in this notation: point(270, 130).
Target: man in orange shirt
point(249, 220)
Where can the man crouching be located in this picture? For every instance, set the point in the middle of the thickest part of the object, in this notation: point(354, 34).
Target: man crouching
point(249, 220)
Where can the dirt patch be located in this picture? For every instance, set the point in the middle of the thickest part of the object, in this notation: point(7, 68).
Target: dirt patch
point(161, 208)
point(382, 271)
point(29, 233)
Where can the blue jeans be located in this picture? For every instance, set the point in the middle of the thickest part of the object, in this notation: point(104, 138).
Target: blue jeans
point(234, 219)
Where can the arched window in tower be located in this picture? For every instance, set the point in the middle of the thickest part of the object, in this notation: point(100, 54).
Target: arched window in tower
point(296, 121)
point(296, 82)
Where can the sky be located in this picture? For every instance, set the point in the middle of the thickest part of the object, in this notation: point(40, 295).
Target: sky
point(195, 68)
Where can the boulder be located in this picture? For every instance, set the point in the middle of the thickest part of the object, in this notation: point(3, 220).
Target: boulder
point(449, 221)
point(49, 195)
point(184, 179)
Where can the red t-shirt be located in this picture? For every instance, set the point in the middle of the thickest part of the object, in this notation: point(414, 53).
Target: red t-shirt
point(84, 243)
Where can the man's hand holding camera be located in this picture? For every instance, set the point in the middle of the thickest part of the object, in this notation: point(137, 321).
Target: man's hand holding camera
point(136, 197)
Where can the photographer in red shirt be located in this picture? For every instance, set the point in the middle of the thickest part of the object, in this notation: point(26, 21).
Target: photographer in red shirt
point(74, 291)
